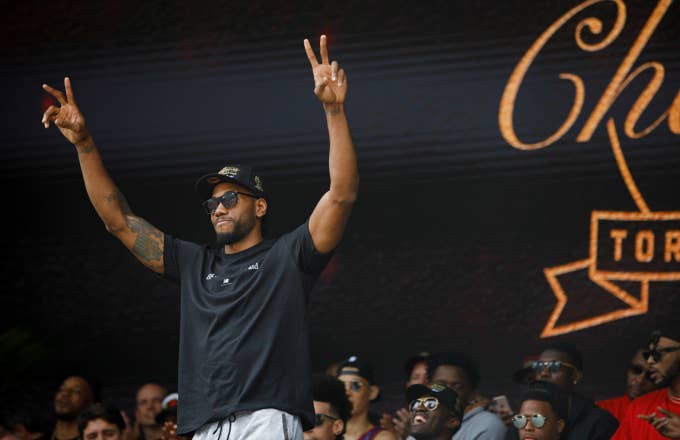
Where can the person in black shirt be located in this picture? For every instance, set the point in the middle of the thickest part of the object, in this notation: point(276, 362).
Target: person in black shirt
point(244, 361)
point(562, 365)
point(73, 395)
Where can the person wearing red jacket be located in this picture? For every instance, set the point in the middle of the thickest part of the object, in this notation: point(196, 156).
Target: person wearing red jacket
point(637, 384)
point(656, 415)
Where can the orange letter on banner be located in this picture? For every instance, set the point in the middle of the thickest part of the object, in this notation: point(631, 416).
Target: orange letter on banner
point(618, 235)
point(507, 105)
point(644, 253)
point(620, 81)
point(672, 246)
point(674, 115)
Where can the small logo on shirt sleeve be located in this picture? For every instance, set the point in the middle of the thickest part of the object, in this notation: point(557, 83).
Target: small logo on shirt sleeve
point(255, 266)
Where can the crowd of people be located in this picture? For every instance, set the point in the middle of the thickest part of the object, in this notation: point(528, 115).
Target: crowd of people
point(441, 400)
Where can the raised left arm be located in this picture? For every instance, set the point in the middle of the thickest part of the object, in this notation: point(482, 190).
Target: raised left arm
point(328, 220)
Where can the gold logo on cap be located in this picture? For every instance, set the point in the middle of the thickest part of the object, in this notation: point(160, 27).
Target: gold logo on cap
point(229, 171)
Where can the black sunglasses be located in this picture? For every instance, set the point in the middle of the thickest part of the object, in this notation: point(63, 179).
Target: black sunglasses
point(429, 403)
point(354, 385)
point(229, 199)
point(318, 418)
point(552, 366)
point(520, 420)
point(657, 353)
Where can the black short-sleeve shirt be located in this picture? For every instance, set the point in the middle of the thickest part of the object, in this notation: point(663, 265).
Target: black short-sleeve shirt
point(243, 332)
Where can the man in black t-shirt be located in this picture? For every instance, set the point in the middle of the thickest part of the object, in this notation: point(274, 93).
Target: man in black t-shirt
point(244, 362)
point(75, 393)
point(562, 365)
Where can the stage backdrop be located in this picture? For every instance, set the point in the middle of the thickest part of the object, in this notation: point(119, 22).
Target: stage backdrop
point(519, 169)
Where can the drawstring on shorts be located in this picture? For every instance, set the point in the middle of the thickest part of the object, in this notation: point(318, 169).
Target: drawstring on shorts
point(231, 419)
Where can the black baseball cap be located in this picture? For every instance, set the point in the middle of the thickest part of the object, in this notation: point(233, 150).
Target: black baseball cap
point(446, 396)
point(358, 367)
point(239, 174)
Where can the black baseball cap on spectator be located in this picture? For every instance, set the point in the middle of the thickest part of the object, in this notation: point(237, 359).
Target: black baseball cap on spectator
point(356, 366)
point(444, 394)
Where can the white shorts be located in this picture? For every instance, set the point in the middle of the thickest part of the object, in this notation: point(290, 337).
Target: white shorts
point(263, 424)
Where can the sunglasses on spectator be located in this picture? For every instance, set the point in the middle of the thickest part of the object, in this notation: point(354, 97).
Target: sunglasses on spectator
point(229, 199)
point(354, 385)
point(520, 420)
point(318, 418)
point(429, 403)
point(657, 353)
point(552, 366)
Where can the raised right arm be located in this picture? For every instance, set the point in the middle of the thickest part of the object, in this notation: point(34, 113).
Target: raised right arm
point(142, 239)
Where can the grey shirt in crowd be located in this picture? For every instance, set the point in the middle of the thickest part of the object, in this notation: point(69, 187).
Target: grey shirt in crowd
point(480, 424)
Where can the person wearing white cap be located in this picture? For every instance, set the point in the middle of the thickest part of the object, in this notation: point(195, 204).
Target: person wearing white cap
point(244, 357)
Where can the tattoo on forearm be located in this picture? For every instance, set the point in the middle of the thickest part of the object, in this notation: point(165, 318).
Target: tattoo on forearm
point(119, 198)
point(147, 245)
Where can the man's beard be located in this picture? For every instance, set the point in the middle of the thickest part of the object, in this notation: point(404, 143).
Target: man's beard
point(241, 229)
point(670, 375)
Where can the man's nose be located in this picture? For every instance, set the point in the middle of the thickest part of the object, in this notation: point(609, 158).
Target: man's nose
point(544, 373)
point(529, 426)
point(221, 209)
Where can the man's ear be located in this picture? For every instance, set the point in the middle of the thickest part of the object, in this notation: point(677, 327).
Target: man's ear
point(374, 392)
point(453, 423)
point(260, 208)
point(560, 426)
point(577, 376)
point(338, 427)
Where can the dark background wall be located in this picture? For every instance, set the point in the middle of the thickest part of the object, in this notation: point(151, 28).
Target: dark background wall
point(453, 226)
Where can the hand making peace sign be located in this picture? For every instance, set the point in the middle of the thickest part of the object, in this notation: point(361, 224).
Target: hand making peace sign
point(330, 82)
point(67, 117)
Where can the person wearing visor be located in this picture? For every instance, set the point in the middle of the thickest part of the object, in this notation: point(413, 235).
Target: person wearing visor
point(637, 384)
point(656, 415)
point(244, 357)
point(358, 379)
point(542, 413)
point(562, 365)
point(435, 412)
